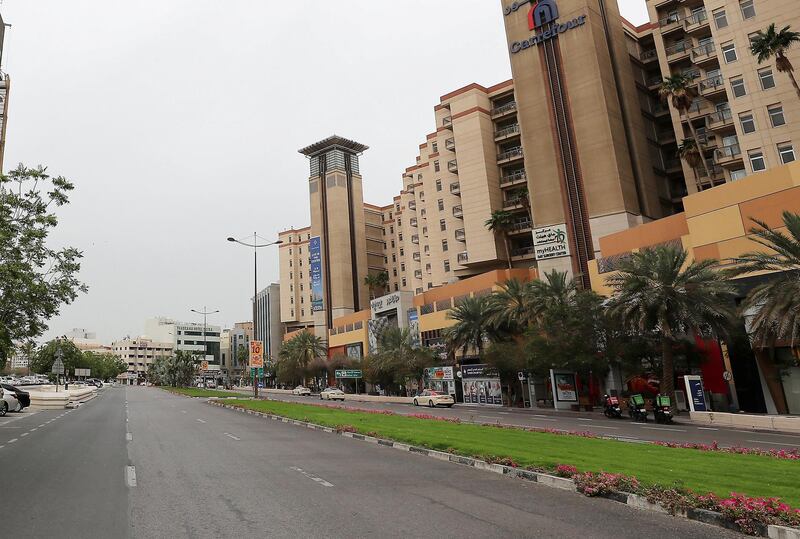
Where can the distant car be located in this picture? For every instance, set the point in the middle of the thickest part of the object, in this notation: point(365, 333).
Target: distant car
point(331, 394)
point(302, 391)
point(11, 402)
point(432, 398)
point(23, 397)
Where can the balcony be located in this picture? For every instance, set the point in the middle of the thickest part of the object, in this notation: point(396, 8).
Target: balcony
point(513, 202)
point(450, 144)
point(648, 55)
point(712, 85)
point(418, 274)
point(700, 107)
point(416, 256)
point(455, 188)
point(673, 165)
point(704, 53)
point(463, 258)
point(518, 176)
point(521, 226)
point(415, 239)
point(412, 206)
point(696, 21)
point(461, 235)
point(502, 110)
point(654, 82)
point(458, 211)
point(691, 73)
point(509, 155)
point(670, 23)
point(413, 221)
point(447, 122)
point(706, 181)
point(452, 166)
point(720, 120)
point(678, 51)
point(523, 252)
point(730, 155)
point(506, 132)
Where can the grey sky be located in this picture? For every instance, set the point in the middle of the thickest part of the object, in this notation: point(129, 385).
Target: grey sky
point(179, 122)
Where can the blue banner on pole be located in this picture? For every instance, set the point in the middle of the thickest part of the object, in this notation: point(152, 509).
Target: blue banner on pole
point(316, 274)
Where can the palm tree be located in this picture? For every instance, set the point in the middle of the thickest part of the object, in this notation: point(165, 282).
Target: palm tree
point(376, 281)
point(399, 352)
point(677, 89)
point(689, 152)
point(658, 290)
point(298, 352)
point(556, 290)
point(511, 305)
point(501, 222)
point(774, 305)
point(473, 327)
point(772, 43)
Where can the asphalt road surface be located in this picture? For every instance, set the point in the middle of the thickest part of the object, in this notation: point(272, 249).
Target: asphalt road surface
point(139, 462)
point(682, 431)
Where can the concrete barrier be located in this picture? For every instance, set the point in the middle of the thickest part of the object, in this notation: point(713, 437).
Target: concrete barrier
point(780, 423)
point(47, 398)
point(347, 396)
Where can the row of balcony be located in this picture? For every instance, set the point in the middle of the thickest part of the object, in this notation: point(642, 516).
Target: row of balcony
point(513, 153)
point(513, 177)
point(504, 109)
point(507, 131)
point(690, 23)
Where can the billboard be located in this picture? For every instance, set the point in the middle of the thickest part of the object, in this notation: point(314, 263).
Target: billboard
point(550, 242)
point(315, 254)
point(256, 354)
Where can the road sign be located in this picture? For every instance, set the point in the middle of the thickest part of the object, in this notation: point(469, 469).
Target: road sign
point(521, 376)
point(260, 372)
point(204, 365)
point(348, 373)
point(58, 366)
point(256, 354)
point(83, 372)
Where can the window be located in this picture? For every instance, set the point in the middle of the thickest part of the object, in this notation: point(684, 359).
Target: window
point(291, 287)
point(394, 272)
point(399, 222)
point(748, 9)
point(786, 153)
point(737, 85)
point(400, 236)
point(438, 183)
point(422, 195)
point(767, 78)
point(436, 166)
point(290, 263)
point(446, 265)
point(302, 312)
point(393, 244)
point(427, 248)
point(729, 52)
point(290, 275)
point(440, 204)
point(738, 174)
point(396, 288)
point(394, 257)
point(402, 251)
point(302, 299)
point(403, 266)
point(435, 147)
point(444, 245)
point(391, 229)
point(757, 161)
point(430, 285)
point(776, 115)
point(442, 224)
point(748, 123)
point(292, 313)
point(301, 274)
point(720, 18)
point(404, 281)
point(301, 262)
point(290, 250)
point(302, 287)
point(419, 176)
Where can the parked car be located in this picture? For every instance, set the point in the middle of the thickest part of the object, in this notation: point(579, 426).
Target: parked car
point(302, 391)
point(23, 397)
point(11, 402)
point(3, 404)
point(331, 394)
point(432, 398)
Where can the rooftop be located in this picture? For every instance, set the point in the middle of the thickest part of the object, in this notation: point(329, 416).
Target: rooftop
point(333, 142)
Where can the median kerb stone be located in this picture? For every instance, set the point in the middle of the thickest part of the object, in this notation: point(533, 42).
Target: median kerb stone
point(553, 481)
point(439, 455)
point(782, 532)
point(466, 461)
point(415, 449)
point(401, 447)
point(527, 475)
point(387, 443)
point(495, 468)
point(640, 502)
point(711, 517)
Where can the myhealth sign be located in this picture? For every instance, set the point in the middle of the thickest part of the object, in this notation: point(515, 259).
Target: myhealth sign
point(543, 19)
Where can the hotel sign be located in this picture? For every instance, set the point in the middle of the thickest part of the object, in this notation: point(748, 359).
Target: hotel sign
point(543, 19)
point(550, 242)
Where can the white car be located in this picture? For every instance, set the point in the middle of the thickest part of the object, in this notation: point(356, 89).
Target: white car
point(432, 398)
point(302, 391)
point(9, 402)
point(331, 394)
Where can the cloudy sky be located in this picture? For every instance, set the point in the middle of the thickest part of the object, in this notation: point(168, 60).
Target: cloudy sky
point(179, 122)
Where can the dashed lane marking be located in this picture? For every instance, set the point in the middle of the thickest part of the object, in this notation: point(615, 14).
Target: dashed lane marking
point(130, 476)
point(202, 420)
point(663, 428)
point(770, 443)
point(232, 436)
point(12, 440)
point(705, 428)
point(312, 477)
point(24, 434)
point(604, 427)
point(585, 419)
point(129, 436)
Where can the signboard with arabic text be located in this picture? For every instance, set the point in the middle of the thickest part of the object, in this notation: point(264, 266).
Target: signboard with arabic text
point(550, 242)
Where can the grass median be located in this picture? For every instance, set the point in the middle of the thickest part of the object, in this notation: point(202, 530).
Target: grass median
point(199, 392)
point(703, 472)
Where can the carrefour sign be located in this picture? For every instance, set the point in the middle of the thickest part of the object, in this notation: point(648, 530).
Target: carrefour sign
point(543, 19)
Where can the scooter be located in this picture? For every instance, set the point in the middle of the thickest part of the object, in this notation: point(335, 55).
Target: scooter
point(611, 407)
point(636, 408)
point(662, 409)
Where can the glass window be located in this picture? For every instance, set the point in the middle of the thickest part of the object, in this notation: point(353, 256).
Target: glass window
point(776, 115)
point(435, 147)
point(757, 161)
point(403, 266)
point(738, 174)
point(396, 288)
point(767, 78)
point(444, 245)
point(738, 88)
point(442, 224)
point(438, 183)
point(440, 204)
point(786, 153)
point(436, 166)
point(404, 281)
point(402, 251)
point(720, 18)
point(748, 9)
point(729, 52)
point(747, 122)
point(394, 272)
point(446, 265)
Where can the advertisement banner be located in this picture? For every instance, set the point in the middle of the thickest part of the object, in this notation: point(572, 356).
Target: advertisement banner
point(439, 373)
point(696, 393)
point(565, 387)
point(413, 326)
point(256, 354)
point(354, 351)
point(315, 253)
point(550, 242)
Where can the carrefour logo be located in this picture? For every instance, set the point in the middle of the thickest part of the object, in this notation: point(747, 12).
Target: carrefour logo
point(542, 18)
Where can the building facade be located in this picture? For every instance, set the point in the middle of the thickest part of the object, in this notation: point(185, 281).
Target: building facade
point(139, 354)
point(188, 337)
point(269, 329)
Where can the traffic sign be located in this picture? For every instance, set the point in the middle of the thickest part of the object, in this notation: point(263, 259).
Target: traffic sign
point(260, 372)
point(348, 373)
point(256, 354)
point(204, 365)
point(58, 366)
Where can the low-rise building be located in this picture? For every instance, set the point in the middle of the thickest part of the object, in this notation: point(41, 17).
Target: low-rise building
point(139, 354)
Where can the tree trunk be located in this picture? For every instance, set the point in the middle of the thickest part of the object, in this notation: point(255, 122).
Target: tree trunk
point(699, 145)
point(508, 249)
point(668, 370)
point(794, 82)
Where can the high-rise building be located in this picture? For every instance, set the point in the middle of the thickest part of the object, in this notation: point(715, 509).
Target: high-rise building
point(5, 88)
point(268, 328)
point(188, 337)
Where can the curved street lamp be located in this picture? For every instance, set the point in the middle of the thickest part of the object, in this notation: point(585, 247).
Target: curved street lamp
point(256, 246)
point(205, 314)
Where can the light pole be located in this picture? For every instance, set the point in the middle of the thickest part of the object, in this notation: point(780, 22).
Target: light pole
point(205, 314)
point(256, 246)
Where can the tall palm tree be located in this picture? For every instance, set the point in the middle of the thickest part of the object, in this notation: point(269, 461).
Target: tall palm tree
point(659, 290)
point(377, 282)
point(775, 304)
point(398, 351)
point(501, 222)
point(511, 305)
point(298, 352)
point(677, 90)
point(689, 152)
point(473, 327)
point(556, 290)
point(773, 43)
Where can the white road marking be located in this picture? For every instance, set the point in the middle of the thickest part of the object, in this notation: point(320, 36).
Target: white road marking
point(487, 417)
point(202, 420)
point(2, 446)
point(34, 428)
point(312, 477)
point(40, 426)
point(183, 411)
point(130, 476)
point(662, 428)
point(504, 413)
point(24, 434)
point(604, 427)
point(232, 436)
point(770, 443)
point(12, 440)
point(705, 428)
point(537, 415)
point(544, 419)
point(584, 419)
point(128, 436)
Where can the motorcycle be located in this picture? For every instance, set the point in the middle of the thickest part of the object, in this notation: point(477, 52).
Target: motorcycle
point(662, 409)
point(636, 408)
point(611, 407)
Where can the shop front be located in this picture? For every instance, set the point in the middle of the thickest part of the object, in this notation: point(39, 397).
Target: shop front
point(481, 385)
point(441, 380)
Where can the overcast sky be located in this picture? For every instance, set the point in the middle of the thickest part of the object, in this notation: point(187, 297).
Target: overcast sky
point(179, 122)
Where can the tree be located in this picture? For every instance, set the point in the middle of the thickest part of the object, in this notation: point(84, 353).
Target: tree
point(45, 357)
point(177, 370)
point(774, 304)
point(690, 153)
point(659, 290)
point(35, 279)
point(398, 353)
point(773, 43)
point(377, 282)
point(501, 222)
point(473, 326)
point(296, 354)
point(103, 365)
point(511, 305)
point(677, 89)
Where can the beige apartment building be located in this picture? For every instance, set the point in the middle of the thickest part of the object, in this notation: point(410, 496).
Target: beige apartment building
point(139, 354)
point(746, 114)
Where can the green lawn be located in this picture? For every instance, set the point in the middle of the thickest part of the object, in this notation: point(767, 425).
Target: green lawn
point(199, 392)
point(703, 472)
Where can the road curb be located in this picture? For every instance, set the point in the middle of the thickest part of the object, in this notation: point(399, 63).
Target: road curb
point(634, 501)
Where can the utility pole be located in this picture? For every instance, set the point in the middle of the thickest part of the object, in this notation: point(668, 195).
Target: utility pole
point(205, 312)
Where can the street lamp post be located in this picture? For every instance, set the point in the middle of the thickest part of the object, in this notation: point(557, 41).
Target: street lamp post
point(205, 314)
point(255, 245)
